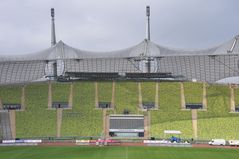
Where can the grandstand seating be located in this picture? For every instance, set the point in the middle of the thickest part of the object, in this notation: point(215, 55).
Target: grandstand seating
point(84, 119)
point(220, 127)
point(36, 120)
point(217, 121)
point(148, 91)
point(5, 130)
point(60, 92)
point(126, 97)
point(10, 94)
point(105, 94)
point(193, 92)
point(169, 116)
point(104, 91)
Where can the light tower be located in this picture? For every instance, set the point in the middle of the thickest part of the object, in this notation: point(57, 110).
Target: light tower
point(53, 34)
point(148, 59)
point(148, 23)
point(53, 42)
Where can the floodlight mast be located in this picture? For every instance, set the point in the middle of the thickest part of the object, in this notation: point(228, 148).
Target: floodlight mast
point(148, 59)
point(53, 34)
point(53, 41)
point(148, 22)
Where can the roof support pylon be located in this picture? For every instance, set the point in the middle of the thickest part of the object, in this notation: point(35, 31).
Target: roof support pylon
point(53, 34)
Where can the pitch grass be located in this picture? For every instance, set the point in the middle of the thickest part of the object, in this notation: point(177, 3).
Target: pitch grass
point(116, 153)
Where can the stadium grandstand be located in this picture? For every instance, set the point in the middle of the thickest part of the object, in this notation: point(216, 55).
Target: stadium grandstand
point(65, 92)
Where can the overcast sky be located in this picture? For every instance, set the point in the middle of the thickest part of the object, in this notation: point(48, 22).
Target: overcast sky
point(103, 25)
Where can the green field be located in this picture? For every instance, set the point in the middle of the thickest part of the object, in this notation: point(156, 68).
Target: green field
point(116, 153)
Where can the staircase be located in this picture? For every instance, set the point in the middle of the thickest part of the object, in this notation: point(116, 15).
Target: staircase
point(5, 125)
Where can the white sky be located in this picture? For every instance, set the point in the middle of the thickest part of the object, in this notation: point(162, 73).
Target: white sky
point(103, 25)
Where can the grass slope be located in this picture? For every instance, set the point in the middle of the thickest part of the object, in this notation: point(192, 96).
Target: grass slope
point(104, 91)
point(11, 94)
point(170, 116)
point(36, 120)
point(217, 122)
point(126, 97)
point(116, 153)
point(60, 92)
point(83, 119)
point(148, 91)
point(193, 92)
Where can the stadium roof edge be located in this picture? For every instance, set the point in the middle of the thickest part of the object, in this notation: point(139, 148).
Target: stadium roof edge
point(145, 48)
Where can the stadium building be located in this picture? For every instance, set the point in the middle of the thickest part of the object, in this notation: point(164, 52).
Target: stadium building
point(120, 94)
point(146, 60)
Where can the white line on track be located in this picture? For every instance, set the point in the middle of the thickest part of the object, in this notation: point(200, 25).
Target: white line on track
point(126, 152)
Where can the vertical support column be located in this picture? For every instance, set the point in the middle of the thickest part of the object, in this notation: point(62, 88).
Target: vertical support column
point(232, 98)
point(59, 121)
point(194, 123)
point(12, 115)
point(113, 95)
point(70, 102)
point(23, 98)
point(96, 95)
point(140, 96)
point(204, 98)
point(157, 95)
point(182, 96)
point(49, 95)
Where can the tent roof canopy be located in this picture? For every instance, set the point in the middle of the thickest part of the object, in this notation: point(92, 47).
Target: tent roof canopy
point(143, 49)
